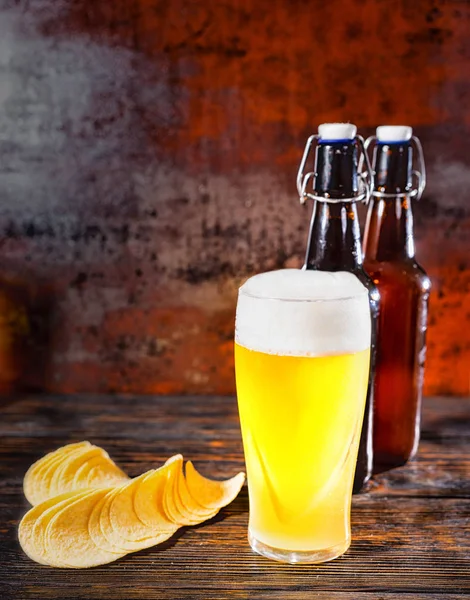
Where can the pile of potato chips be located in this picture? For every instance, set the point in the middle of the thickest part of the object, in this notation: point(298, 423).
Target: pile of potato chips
point(87, 512)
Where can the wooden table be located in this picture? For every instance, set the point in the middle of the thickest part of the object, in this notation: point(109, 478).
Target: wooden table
point(411, 531)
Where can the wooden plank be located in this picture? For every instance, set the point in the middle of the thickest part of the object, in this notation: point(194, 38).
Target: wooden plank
point(407, 545)
point(432, 473)
point(445, 417)
point(207, 430)
point(411, 531)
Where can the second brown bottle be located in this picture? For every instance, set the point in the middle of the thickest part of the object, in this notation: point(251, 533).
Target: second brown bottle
point(404, 291)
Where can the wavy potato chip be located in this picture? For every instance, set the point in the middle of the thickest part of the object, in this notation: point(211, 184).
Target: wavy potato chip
point(36, 480)
point(210, 493)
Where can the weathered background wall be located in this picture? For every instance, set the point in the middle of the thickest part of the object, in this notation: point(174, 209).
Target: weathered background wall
point(148, 153)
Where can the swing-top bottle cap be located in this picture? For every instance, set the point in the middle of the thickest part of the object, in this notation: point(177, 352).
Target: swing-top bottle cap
point(394, 133)
point(334, 132)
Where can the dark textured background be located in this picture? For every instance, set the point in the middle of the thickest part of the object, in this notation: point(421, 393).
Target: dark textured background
point(148, 153)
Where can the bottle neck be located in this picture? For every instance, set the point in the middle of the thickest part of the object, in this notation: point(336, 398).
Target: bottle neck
point(389, 225)
point(336, 169)
point(389, 230)
point(335, 238)
point(392, 164)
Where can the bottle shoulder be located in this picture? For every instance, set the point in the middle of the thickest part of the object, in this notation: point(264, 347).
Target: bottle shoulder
point(400, 272)
point(368, 283)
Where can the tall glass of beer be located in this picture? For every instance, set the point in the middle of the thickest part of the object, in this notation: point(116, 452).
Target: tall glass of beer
point(302, 351)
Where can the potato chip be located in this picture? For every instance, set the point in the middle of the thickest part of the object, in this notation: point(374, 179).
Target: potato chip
point(58, 453)
point(113, 539)
point(97, 470)
point(169, 505)
point(43, 523)
point(68, 540)
point(65, 475)
point(188, 516)
point(209, 493)
point(119, 537)
point(75, 457)
point(94, 524)
point(102, 514)
point(50, 476)
point(32, 526)
point(80, 478)
point(188, 505)
point(35, 480)
point(64, 470)
point(148, 499)
point(105, 473)
point(122, 515)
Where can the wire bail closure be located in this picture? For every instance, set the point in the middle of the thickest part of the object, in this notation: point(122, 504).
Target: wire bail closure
point(366, 178)
point(419, 174)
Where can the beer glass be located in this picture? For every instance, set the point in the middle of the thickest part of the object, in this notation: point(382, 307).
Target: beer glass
point(302, 352)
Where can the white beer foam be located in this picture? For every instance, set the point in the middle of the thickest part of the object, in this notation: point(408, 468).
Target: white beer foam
point(303, 313)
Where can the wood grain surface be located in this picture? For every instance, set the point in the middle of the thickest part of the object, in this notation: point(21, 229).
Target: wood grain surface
point(411, 530)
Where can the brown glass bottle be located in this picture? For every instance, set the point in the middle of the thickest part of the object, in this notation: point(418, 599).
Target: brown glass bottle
point(404, 293)
point(335, 245)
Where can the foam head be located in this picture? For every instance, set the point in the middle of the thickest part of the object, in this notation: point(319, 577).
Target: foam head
point(303, 313)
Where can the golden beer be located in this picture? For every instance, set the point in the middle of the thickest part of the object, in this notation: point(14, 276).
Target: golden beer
point(302, 368)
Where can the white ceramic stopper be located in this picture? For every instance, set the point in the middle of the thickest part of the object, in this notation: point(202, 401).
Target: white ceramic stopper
point(337, 131)
point(394, 133)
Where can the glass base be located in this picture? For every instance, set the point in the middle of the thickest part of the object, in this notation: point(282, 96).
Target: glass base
point(301, 556)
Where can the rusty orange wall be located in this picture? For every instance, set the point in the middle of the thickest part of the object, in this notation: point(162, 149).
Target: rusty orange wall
point(148, 153)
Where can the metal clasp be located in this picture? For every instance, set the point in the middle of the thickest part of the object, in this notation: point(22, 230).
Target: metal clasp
point(419, 174)
point(366, 178)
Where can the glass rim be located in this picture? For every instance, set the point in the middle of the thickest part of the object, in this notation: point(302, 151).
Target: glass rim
point(279, 299)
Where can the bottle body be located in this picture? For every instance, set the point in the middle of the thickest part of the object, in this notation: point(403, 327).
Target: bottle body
point(401, 349)
point(404, 289)
point(335, 245)
point(364, 467)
